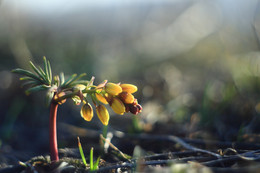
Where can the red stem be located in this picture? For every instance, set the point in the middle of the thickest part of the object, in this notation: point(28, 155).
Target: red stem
point(53, 131)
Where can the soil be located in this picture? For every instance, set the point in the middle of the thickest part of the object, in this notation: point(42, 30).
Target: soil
point(152, 150)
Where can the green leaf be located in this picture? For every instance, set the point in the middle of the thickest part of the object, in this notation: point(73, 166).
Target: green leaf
point(49, 70)
point(84, 82)
point(81, 152)
point(91, 81)
point(40, 73)
point(45, 75)
point(69, 80)
point(32, 82)
point(62, 79)
point(95, 166)
point(26, 78)
point(76, 78)
point(46, 68)
point(73, 78)
point(91, 159)
point(27, 73)
point(36, 88)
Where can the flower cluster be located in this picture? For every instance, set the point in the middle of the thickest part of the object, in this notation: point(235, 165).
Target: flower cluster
point(118, 96)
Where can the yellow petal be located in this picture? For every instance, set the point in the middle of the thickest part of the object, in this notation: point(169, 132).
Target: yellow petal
point(118, 106)
point(126, 97)
point(113, 89)
point(86, 112)
point(128, 88)
point(103, 114)
point(101, 98)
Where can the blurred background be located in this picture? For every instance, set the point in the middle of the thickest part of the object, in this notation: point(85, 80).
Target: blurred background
point(196, 64)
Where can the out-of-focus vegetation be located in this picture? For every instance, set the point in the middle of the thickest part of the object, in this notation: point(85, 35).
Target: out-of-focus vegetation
point(196, 62)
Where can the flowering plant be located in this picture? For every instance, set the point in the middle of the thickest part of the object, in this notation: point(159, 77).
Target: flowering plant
point(118, 96)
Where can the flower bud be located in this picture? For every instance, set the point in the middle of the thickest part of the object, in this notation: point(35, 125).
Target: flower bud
point(135, 109)
point(129, 88)
point(57, 97)
point(117, 105)
point(126, 97)
point(139, 107)
point(76, 99)
point(103, 84)
point(86, 112)
point(101, 98)
point(113, 89)
point(135, 102)
point(79, 87)
point(103, 114)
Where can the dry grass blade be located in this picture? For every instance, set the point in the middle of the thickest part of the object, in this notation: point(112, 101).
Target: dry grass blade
point(114, 147)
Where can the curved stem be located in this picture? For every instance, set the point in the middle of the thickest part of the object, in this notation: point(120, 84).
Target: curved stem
point(53, 131)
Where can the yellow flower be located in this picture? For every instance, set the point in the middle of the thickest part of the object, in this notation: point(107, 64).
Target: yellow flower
point(101, 98)
point(113, 89)
point(86, 112)
point(103, 114)
point(117, 105)
point(126, 97)
point(128, 88)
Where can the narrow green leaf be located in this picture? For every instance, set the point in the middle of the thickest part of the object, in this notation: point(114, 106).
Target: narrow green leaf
point(62, 79)
point(69, 80)
point(91, 159)
point(36, 88)
point(84, 82)
point(95, 166)
point(46, 68)
point(27, 73)
point(49, 70)
point(26, 78)
point(91, 82)
point(76, 78)
point(56, 80)
point(46, 79)
point(81, 152)
point(33, 83)
point(40, 73)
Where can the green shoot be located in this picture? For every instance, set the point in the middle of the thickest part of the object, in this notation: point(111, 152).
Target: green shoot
point(93, 166)
point(91, 159)
point(81, 153)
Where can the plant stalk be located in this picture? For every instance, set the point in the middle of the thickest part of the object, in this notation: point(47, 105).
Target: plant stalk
point(53, 132)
